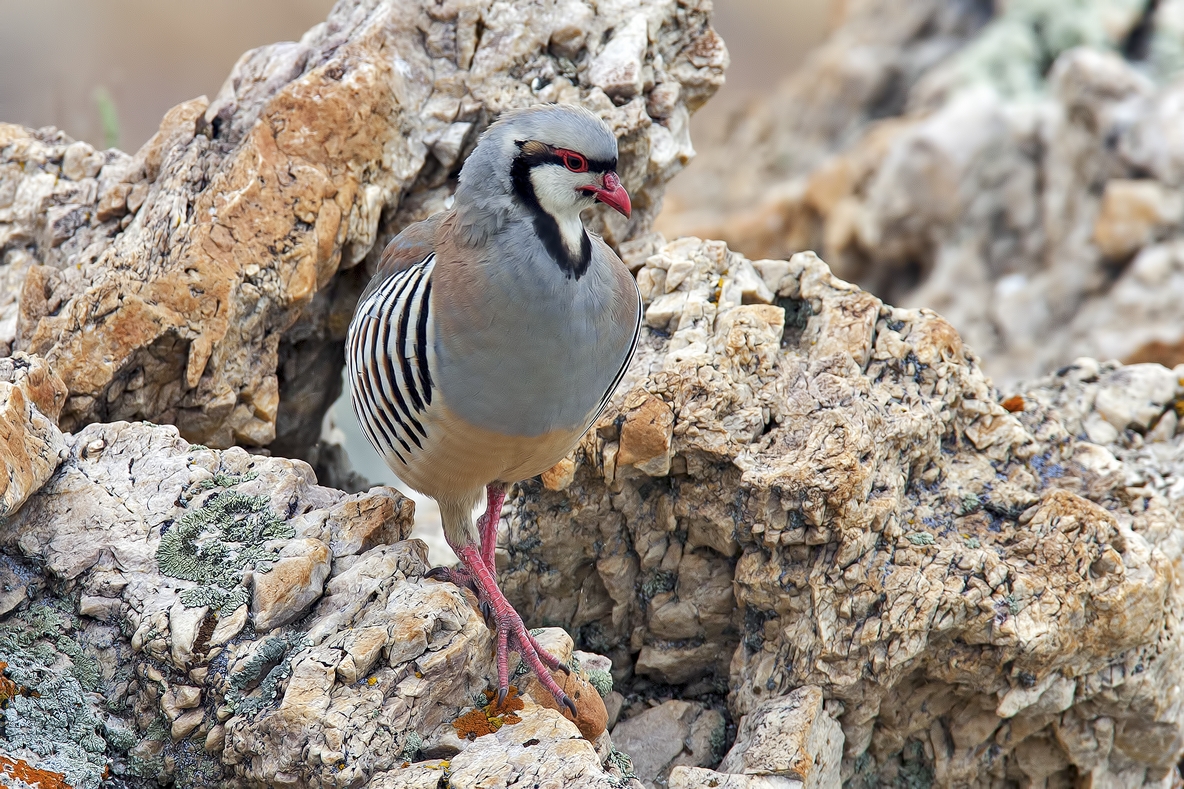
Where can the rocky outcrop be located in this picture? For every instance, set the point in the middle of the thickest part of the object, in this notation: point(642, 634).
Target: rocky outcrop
point(31, 446)
point(799, 485)
point(1024, 181)
point(207, 281)
point(191, 616)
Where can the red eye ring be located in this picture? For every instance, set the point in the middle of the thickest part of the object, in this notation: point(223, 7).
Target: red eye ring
point(573, 161)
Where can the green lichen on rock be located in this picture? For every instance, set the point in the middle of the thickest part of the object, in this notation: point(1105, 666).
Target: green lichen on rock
point(411, 745)
point(213, 544)
point(224, 601)
point(602, 681)
point(1013, 53)
point(268, 667)
point(53, 717)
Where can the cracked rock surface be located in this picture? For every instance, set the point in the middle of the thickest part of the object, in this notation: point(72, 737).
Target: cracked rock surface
point(799, 485)
point(197, 616)
point(207, 280)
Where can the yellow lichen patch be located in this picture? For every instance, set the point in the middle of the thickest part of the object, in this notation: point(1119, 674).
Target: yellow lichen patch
point(491, 717)
point(26, 773)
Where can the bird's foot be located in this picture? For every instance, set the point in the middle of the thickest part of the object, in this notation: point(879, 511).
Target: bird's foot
point(512, 633)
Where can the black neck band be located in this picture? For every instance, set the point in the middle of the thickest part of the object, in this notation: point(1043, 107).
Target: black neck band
point(544, 224)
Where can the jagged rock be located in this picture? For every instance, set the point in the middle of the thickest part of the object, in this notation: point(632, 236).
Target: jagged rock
point(244, 625)
point(208, 280)
point(792, 737)
point(1008, 180)
point(671, 734)
point(849, 505)
point(31, 399)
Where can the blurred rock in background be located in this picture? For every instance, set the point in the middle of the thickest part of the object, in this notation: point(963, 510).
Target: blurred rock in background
point(1015, 167)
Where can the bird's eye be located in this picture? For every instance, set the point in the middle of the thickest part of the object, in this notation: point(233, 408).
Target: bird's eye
point(574, 161)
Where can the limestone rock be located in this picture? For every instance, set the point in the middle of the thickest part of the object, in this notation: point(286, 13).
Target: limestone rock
point(1016, 169)
point(850, 506)
point(207, 281)
point(671, 734)
point(293, 583)
point(31, 399)
point(136, 652)
point(791, 736)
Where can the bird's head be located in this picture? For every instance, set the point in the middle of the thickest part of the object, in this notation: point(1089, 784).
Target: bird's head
point(556, 158)
point(565, 180)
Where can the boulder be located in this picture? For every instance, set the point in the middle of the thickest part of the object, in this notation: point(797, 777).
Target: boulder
point(850, 505)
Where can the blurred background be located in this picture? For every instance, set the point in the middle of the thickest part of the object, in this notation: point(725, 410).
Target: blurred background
point(119, 65)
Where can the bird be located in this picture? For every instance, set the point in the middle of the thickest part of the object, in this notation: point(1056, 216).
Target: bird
point(492, 336)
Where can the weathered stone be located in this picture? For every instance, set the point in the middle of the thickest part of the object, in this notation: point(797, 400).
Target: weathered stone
point(671, 734)
point(291, 586)
point(931, 155)
point(791, 736)
point(849, 506)
point(31, 398)
point(208, 280)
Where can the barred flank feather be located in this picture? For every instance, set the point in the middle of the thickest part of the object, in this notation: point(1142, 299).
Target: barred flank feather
point(387, 358)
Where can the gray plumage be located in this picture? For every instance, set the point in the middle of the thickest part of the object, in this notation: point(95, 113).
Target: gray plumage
point(475, 356)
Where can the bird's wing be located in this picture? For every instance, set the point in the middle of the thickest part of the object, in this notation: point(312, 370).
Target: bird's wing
point(413, 246)
point(628, 295)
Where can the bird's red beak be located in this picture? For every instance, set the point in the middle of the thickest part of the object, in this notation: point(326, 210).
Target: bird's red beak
point(613, 194)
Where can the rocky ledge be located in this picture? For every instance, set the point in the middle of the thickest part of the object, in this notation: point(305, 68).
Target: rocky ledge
point(809, 539)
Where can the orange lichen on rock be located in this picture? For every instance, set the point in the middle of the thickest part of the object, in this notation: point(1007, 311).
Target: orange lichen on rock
point(488, 719)
point(26, 773)
point(10, 690)
point(1014, 404)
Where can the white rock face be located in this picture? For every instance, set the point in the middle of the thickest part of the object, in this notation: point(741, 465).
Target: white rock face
point(931, 155)
point(849, 505)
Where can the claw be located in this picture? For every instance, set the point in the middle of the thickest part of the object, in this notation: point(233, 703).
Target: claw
point(501, 695)
point(571, 705)
point(487, 613)
point(439, 574)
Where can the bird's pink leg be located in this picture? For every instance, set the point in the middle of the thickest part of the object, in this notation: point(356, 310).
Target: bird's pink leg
point(495, 494)
point(510, 629)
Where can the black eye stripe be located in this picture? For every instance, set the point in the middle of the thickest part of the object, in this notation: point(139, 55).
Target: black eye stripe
point(539, 153)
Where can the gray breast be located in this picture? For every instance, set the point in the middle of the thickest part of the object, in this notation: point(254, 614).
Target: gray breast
point(542, 352)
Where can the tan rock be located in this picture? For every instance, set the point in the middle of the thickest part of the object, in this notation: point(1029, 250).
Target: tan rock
point(217, 307)
point(31, 397)
point(646, 436)
point(292, 585)
point(792, 737)
point(849, 507)
point(591, 716)
point(1131, 213)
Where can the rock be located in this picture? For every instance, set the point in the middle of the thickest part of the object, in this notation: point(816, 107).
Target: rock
point(1132, 213)
point(671, 734)
point(617, 70)
point(591, 716)
point(933, 157)
point(696, 777)
point(352, 664)
point(292, 585)
point(207, 280)
point(850, 506)
point(792, 737)
point(31, 399)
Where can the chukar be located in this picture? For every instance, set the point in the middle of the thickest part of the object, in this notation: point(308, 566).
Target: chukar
point(493, 334)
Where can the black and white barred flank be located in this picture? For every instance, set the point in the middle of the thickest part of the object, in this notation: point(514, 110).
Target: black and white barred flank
point(387, 360)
